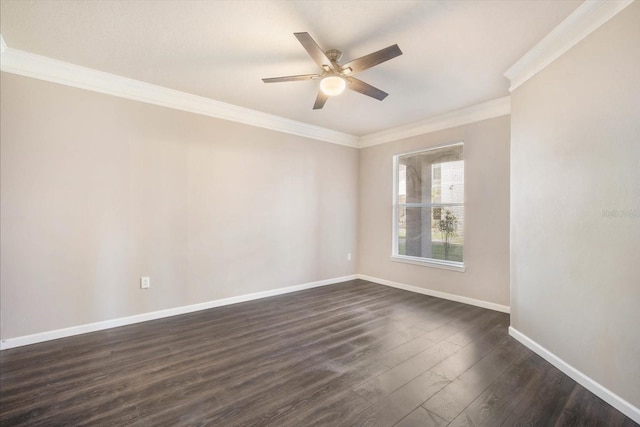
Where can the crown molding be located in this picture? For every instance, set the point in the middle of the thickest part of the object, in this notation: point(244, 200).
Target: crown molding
point(588, 17)
point(486, 110)
point(42, 68)
point(39, 67)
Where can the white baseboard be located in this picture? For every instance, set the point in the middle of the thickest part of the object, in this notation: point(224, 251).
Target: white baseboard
point(594, 387)
point(144, 317)
point(438, 294)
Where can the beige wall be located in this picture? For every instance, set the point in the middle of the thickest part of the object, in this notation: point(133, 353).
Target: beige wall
point(575, 203)
point(97, 191)
point(486, 250)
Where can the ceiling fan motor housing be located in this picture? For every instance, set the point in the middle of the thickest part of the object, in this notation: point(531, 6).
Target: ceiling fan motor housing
point(336, 77)
point(334, 55)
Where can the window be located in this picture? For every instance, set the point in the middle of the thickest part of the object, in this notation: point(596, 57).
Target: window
point(428, 211)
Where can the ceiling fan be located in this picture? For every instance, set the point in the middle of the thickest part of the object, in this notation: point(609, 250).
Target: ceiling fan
point(336, 77)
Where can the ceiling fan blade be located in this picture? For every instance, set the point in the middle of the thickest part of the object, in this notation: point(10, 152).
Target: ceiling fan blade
point(365, 88)
point(292, 78)
point(320, 100)
point(372, 59)
point(314, 50)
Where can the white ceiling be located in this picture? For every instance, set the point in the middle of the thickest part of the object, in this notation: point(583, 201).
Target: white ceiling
point(455, 52)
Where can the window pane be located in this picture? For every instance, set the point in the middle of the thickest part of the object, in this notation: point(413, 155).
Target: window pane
point(432, 182)
point(434, 176)
point(448, 233)
point(402, 184)
point(447, 182)
point(431, 232)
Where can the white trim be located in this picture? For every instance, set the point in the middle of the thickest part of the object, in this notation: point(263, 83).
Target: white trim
point(430, 148)
point(593, 386)
point(40, 67)
point(394, 209)
point(588, 17)
point(475, 113)
point(437, 294)
point(429, 262)
point(144, 317)
point(43, 68)
point(424, 262)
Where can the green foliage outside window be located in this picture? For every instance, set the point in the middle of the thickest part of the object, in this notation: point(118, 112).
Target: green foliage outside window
point(448, 226)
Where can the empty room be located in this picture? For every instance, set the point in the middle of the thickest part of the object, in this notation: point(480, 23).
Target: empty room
point(320, 213)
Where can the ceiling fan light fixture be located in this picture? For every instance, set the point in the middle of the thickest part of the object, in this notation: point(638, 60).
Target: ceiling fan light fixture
point(333, 85)
point(336, 76)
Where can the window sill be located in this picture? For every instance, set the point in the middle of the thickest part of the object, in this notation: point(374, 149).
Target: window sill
point(445, 265)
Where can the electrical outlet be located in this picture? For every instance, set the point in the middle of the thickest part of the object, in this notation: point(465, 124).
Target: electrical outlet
point(145, 282)
point(349, 256)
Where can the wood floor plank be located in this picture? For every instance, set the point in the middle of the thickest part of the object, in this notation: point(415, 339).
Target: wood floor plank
point(407, 350)
point(481, 325)
point(492, 406)
point(393, 408)
point(452, 331)
point(583, 408)
point(354, 353)
point(454, 398)
point(420, 417)
point(550, 389)
point(456, 364)
point(333, 412)
point(391, 380)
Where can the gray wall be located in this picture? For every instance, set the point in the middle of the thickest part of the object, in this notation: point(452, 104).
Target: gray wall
point(575, 206)
point(486, 251)
point(97, 191)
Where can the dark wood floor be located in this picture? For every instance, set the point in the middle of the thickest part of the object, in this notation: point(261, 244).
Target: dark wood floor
point(350, 354)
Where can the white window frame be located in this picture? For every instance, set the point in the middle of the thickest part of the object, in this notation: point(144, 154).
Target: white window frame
point(425, 262)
